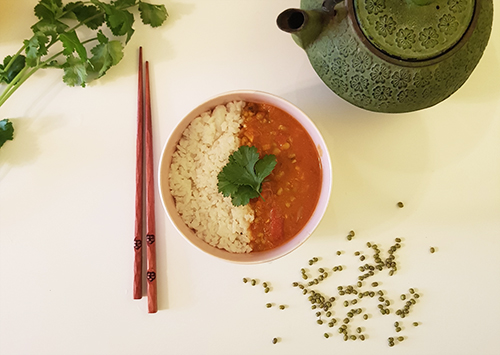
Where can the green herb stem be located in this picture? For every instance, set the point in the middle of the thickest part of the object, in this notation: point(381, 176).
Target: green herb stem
point(21, 77)
point(57, 23)
point(15, 83)
point(14, 57)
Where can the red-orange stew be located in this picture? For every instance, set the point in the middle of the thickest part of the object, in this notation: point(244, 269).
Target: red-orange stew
point(292, 190)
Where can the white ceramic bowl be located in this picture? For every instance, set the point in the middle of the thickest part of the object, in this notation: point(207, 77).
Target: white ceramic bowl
point(252, 257)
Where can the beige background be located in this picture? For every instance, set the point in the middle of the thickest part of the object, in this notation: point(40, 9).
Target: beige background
point(67, 202)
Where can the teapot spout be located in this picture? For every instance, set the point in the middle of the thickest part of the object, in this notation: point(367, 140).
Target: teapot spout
point(304, 26)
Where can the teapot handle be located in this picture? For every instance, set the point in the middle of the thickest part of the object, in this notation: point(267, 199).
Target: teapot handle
point(329, 5)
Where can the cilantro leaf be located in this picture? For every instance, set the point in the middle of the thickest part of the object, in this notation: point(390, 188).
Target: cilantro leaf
point(265, 166)
point(6, 131)
point(105, 55)
point(70, 8)
point(126, 3)
point(243, 196)
point(240, 167)
point(13, 69)
point(242, 177)
point(75, 71)
point(49, 28)
point(36, 47)
point(48, 9)
point(89, 15)
point(119, 21)
point(153, 15)
point(226, 187)
point(71, 44)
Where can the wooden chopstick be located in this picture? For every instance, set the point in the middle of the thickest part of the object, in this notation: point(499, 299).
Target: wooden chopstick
point(144, 118)
point(137, 288)
point(150, 202)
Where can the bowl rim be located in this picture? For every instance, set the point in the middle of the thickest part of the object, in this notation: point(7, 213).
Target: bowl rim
point(168, 201)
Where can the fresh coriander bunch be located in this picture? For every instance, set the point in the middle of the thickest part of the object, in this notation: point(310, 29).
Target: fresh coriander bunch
point(82, 60)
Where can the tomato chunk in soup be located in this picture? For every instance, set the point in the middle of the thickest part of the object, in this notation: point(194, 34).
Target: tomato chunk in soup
point(291, 192)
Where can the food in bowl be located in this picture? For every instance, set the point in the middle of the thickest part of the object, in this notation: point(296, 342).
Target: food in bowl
point(200, 155)
point(287, 196)
point(291, 192)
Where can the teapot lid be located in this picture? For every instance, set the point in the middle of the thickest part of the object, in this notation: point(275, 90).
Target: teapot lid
point(413, 30)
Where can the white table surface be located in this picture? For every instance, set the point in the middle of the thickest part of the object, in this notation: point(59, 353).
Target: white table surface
point(67, 203)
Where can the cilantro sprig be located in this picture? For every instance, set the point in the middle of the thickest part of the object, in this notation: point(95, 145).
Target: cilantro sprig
point(6, 131)
point(243, 175)
point(82, 60)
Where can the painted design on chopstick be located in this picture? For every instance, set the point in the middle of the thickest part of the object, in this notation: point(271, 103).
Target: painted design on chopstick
point(151, 275)
point(137, 244)
point(150, 239)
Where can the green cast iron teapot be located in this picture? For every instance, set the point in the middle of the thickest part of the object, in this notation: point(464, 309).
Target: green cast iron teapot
point(391, 55)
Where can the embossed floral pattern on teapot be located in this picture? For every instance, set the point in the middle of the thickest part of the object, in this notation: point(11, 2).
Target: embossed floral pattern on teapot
point(392, 55)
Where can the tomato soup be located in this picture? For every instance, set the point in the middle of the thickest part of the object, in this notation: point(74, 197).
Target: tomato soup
point(290, 193)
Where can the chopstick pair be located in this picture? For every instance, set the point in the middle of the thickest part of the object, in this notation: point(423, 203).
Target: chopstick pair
point(144, 121)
